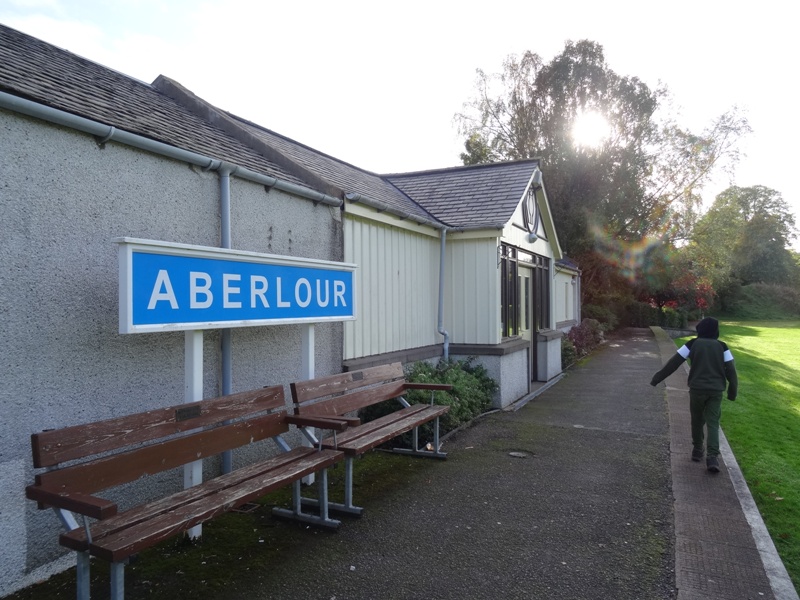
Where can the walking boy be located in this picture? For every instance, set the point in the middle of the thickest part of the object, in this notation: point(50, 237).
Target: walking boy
point(711, 370)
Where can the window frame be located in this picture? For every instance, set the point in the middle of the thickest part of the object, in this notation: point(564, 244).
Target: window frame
point(510, 258)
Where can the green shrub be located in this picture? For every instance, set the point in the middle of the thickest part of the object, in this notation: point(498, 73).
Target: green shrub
point(568, 353)
point(641, 314)
point(604, 315)
point(674, 318)
point(471, 395)
point(763, 301)
point(586, 336)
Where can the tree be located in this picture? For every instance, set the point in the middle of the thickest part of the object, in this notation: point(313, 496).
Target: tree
point(642, 180)
point(744, 238)
point(532, 116)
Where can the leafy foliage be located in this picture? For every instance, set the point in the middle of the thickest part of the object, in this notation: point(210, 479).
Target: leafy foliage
point(586, 336)
point(673, 318)
point(743, 239)
point(568, 353)
point(764, 301)
point(613, 202)
point(642, 314)
point(644, 176)
point(607, 318)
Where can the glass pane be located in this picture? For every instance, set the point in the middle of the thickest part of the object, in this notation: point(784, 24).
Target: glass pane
point(524, 307)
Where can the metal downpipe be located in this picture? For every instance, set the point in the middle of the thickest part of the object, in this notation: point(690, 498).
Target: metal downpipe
point(225, 172)
point(440, 325)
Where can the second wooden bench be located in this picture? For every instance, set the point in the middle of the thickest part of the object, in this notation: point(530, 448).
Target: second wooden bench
point(337, 396)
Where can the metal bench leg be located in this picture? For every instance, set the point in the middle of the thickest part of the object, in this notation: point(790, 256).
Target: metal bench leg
point(322, 493)
point(297, 514)
point(297, 498)
point(417, 451)
point(335, 507)
point(82, 575)
point(117, 581)
point(348, 508)
point(348, 482)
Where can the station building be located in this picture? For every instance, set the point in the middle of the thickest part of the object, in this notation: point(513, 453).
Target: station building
point(453, 262)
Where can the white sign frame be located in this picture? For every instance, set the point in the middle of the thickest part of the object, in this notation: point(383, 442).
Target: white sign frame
point(128, 246)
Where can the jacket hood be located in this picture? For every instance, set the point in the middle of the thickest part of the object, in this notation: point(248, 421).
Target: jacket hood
point(708, 328)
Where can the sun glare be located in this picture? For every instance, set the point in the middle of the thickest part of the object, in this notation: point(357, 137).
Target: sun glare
point(590, 129)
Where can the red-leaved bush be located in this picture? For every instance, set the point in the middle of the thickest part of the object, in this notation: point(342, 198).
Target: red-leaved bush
point(586, 336)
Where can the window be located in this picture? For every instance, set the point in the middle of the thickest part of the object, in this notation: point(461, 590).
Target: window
point(514, 292)
point(509, 294)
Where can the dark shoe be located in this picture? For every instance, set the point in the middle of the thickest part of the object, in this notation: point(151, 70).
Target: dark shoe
point(697, 454)
point(712, 464)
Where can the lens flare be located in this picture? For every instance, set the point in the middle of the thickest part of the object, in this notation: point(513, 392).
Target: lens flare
point(634, 260)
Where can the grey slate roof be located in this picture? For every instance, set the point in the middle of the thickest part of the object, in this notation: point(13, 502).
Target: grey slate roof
point(462, 197)
point(478, 196)
point(347, 177)
point(49, 75)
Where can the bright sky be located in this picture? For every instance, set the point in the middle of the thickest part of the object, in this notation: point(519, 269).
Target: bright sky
point(377, 84)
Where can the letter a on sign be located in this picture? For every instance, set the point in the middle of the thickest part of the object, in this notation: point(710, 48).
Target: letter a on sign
point(162, 290)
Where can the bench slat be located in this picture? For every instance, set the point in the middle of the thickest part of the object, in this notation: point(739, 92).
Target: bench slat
point(128, 466)
point(76, 539)
point(80, 441)
point(312, 389)
point(353, 401)
point(370, 426)
point(372, 438)
point(120, 545)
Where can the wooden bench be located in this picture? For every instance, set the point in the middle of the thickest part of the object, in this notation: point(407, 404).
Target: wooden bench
point(336, 396)
point(85, 459)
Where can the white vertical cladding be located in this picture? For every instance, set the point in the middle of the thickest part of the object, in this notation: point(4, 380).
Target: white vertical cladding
point(397, 287)
point(564, 297)
point(473, 290)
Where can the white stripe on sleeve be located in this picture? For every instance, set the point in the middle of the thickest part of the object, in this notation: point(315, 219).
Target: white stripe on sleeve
point(727, 357)
point(684, 352)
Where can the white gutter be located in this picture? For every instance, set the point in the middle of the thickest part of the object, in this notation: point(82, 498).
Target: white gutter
point(107, 133)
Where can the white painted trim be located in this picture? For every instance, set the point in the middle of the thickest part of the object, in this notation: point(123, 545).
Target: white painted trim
point(355, 209)
point(175, 249)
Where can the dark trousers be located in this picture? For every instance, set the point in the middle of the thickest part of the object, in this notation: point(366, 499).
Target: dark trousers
point(705, 408)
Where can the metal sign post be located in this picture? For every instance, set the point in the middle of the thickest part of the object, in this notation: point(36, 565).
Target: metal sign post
point(193, 361)
point(307, 369)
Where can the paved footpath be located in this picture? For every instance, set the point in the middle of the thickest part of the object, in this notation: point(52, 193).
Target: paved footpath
point(583, 492)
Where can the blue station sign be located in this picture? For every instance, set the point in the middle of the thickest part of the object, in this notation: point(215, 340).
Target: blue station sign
point(177, 287)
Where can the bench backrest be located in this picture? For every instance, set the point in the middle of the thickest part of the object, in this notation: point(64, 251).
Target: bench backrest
point(347, 392)
point(120, 450)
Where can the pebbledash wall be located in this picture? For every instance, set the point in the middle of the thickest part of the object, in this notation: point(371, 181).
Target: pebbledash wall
point(64, 199)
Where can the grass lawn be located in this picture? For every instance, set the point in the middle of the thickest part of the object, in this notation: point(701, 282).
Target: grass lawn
point(763, 425)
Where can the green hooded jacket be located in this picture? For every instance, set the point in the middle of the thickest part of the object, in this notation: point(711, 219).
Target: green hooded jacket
point(711, 362)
